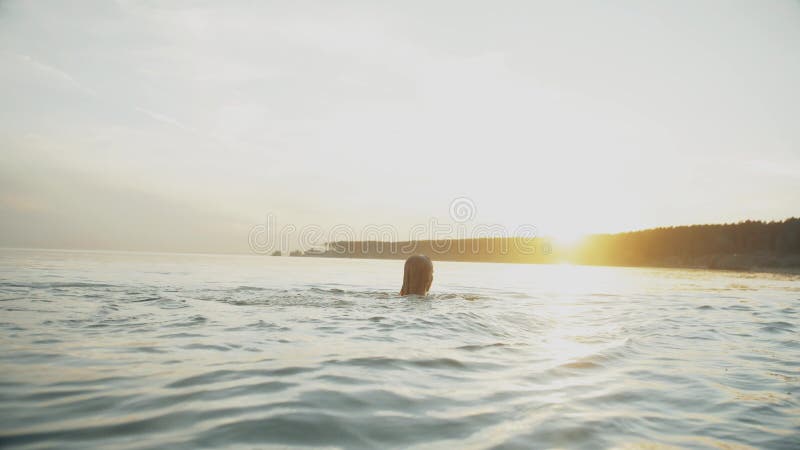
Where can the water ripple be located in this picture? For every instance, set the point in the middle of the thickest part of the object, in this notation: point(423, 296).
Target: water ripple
point(250, 354)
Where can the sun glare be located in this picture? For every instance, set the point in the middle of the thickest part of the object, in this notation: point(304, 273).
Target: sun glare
point(567, 239)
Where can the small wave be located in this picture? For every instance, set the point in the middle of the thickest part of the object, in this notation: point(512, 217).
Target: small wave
point(48, 395)
point(582, 364)
point(327, 290)
point(777, 327)
point(180, 335)
point(146, 299)
point(146, 349)
point(477, 347)
point(340, 379)
point(56, 284)
point(250, 288)
point(384, 363)
point(224, 375)
point(459, 296)
point(189, 322)
point(47, 341)
point(220, 348)
point(308, 428)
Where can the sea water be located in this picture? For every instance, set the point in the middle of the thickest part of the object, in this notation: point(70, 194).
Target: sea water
point(134, 350)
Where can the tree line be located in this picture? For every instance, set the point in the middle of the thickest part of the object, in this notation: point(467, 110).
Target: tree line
point(740, 245)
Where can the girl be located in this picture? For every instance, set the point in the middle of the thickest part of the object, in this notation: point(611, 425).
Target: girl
point(417, 275)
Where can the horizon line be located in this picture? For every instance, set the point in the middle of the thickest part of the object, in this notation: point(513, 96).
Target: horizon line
point(251, 253)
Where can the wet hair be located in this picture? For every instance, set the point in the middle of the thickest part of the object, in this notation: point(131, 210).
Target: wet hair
point(417, 275)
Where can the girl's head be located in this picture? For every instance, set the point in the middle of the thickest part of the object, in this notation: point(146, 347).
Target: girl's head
point(417, 275)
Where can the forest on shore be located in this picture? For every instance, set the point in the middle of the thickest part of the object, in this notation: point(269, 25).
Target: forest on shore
point(737, 246)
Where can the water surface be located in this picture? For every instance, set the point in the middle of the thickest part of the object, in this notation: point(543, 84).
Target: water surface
point(131, 350)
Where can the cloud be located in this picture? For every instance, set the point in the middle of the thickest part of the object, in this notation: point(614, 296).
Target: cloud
point(164, 119)
point(51, 72)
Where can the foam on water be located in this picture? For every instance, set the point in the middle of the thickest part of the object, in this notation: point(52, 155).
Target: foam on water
point(131, 350)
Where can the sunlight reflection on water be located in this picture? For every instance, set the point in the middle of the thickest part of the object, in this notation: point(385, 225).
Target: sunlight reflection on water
point(152, 351)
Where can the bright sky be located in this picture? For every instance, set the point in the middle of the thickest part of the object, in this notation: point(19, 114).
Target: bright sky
point(153, 125)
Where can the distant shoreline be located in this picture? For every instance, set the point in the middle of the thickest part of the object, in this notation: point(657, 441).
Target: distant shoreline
point(749, 246)
point(746, 247)
point(753, 270)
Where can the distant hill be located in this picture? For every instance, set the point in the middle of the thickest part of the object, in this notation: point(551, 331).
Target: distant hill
point(741, 246)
